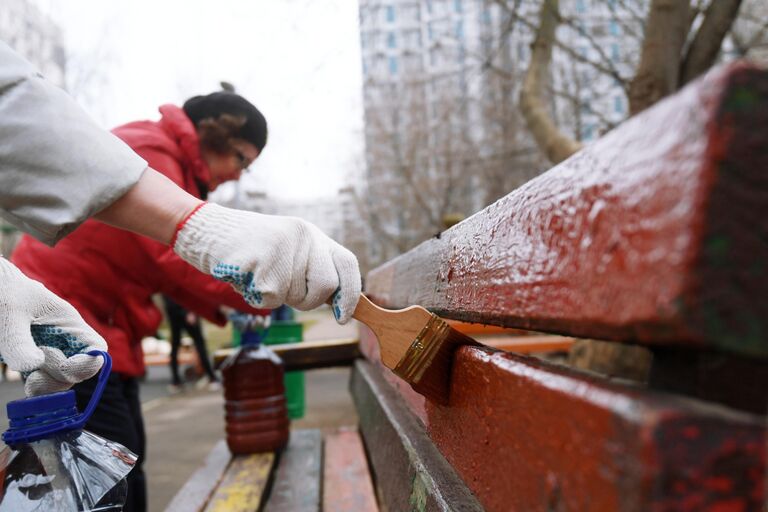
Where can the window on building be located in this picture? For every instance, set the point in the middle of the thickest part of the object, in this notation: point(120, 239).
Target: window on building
point(613, 27)
point(390, 13)
point(581, 5)
point(459, 30)
point(588, 132)
point(430, 31)
point(391, 40)
point(582, 51)
point(457, 5)
point(618, 105)
point(615, 54)
point(393, 65)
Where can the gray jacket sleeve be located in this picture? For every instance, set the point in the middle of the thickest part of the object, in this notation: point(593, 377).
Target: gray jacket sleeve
point(57, 167)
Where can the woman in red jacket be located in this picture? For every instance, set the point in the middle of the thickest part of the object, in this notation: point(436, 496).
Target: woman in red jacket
point(110, 275)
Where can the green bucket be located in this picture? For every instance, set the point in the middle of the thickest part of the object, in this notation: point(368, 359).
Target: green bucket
point(288, 331)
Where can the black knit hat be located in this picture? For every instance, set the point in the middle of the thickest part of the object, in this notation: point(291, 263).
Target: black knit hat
point(213, 105)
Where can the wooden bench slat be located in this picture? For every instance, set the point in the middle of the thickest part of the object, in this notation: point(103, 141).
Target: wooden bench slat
point(408, 470)
point(347, 483)
point(242, 487)
point(528, 344)
point(528, 435)
point(308, 355)
point(296, 486)
point(654, 233)
point(195, 493)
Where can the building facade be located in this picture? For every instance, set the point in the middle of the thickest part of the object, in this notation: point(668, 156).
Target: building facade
point(443, 131)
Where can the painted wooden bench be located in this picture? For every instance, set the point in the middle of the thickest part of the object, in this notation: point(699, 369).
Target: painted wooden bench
point(315, 472)
point(655, 235)
point(332, 471)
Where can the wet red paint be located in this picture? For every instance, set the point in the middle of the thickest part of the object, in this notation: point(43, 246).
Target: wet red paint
point(530, 436)
point(650, 235)
point(623, 240)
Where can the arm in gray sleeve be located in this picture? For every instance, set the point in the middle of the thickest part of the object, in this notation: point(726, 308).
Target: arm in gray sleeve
point(57, 167)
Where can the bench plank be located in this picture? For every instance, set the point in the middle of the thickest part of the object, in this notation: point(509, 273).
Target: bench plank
point(528, 435)
point(308, 355)
point(409, 471)
point(347, 483)
point(652, 233)
point(196, 491)
point(242, 487)
point(296, 486)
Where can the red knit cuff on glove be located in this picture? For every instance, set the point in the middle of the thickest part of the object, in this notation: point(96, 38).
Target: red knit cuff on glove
point(181, 224)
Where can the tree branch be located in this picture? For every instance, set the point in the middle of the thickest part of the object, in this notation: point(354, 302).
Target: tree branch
point(706, 44)
point(658, 71)
point(554, 143)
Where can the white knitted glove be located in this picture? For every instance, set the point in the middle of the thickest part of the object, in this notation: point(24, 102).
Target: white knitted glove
point(271, 260)
point(43, 334)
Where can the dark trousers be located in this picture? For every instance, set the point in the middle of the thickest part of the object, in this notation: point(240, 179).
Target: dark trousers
point(178, 321)
point(118, 418)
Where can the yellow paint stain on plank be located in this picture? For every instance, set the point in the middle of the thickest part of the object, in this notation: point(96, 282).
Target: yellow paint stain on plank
point(243, 485)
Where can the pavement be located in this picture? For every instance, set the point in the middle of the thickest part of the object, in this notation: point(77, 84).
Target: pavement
point(181, 429)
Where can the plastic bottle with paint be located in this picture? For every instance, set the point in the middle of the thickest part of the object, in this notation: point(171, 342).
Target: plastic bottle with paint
point(255, 408)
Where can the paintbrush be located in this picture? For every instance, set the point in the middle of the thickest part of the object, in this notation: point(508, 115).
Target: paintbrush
point(416, 345)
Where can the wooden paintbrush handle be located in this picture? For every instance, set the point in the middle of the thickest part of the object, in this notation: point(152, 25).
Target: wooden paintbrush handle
point(367, 310)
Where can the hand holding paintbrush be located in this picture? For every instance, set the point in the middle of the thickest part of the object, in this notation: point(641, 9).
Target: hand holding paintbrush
point(416, 345)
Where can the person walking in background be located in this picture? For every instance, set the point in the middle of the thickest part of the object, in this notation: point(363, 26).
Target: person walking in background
point(180, 319)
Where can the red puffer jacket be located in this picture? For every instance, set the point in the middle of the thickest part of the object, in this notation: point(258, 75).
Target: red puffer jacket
point(110, 275)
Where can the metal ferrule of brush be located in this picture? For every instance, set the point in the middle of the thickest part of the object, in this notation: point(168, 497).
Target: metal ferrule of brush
point(422, 351)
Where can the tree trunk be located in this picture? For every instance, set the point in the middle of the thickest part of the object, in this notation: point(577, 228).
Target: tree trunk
point(658, 72)
point(705, 46)
point(554, 143)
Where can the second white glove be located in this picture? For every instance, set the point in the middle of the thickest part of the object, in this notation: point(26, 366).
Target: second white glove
point(43, 334)
point(271, 260)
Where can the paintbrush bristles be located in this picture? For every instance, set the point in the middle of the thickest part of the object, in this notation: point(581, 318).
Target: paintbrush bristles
point(415, 344)
point(434, 363)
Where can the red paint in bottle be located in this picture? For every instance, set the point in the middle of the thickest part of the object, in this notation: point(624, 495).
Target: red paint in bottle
point(255, 409)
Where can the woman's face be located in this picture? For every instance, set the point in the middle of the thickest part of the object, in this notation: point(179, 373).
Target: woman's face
point(229, 166)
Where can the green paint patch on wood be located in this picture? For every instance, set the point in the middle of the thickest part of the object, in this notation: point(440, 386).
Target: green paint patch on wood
point(742, 98)
point(717, 249)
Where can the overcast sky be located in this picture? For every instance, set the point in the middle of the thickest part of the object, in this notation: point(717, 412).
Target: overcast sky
point(298, 61)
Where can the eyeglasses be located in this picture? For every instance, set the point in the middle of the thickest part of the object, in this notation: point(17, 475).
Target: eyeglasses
point(242, 160)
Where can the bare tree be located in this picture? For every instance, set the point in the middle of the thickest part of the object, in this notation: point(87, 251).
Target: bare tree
point(678, 41)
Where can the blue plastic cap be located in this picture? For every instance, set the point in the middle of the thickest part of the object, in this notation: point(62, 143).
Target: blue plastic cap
point(42, 416)
point(252, 338)
point(40, 406)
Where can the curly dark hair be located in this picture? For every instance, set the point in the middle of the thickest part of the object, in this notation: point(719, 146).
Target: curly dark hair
point(216, 134)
